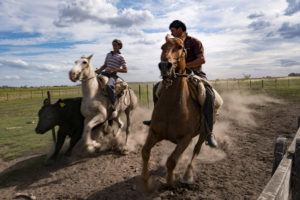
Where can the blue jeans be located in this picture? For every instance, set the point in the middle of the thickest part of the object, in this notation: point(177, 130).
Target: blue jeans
point(110, 87)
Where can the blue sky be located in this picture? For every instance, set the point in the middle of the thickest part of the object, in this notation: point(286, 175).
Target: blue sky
point(40, 40)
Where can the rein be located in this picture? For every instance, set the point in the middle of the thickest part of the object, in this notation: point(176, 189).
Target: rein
point(87, 79)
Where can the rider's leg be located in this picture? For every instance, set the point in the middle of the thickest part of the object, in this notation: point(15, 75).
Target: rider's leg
point(208, 112)
point(111, 94)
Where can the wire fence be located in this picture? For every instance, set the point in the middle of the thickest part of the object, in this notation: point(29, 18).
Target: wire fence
point(144, 91)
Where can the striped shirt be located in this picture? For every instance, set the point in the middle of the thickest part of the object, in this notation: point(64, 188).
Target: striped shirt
point(114, 61)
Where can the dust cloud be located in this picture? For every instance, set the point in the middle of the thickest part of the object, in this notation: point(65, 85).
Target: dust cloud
point(237, 109)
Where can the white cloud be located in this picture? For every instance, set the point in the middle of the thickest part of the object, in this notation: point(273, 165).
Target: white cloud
point(100, 11)
point(13, 77)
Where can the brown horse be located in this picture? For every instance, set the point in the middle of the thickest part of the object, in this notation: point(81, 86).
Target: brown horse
point(176, 116)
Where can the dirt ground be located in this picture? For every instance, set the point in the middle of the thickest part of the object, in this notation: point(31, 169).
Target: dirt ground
point(246, 130)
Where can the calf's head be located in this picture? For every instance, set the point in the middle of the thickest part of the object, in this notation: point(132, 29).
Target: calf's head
point(49, 116)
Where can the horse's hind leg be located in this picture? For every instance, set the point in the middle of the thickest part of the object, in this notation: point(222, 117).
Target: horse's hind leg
point(146, 150)
point(173, 158)
point(188, 176)
point(127, 112)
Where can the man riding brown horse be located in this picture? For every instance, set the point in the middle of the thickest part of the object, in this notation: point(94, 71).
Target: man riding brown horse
point(194, 60)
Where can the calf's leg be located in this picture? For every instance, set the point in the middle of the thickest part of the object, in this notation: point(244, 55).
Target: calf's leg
point(61, 136)
point(74, 139)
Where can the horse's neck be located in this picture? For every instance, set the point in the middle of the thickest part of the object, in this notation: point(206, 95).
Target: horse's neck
point(181, 66)
point(90, 85)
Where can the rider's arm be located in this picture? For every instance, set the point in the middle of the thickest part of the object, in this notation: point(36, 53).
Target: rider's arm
point(98, 71)
point(197, 62)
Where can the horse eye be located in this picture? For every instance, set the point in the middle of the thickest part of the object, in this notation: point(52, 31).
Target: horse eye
point(179, 47)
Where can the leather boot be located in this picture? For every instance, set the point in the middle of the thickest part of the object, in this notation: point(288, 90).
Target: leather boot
point(147, 122)
point(211, 141)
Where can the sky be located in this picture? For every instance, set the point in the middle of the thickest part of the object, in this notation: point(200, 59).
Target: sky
point(41, 40)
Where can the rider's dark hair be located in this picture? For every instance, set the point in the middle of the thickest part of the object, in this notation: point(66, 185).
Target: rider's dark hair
point(178, 24)
point(119, 43)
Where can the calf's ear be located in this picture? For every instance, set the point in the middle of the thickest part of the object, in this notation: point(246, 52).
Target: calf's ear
point(46, 102)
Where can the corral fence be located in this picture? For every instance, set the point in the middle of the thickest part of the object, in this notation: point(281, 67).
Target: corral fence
point(144, 90)
point(285, 181)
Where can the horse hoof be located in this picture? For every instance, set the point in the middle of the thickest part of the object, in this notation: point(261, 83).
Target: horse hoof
point(188, 179)
point(148, 185)
point(124, 151)
point(96, 144)
point(91, 148)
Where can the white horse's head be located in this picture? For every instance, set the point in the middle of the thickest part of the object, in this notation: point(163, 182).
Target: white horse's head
point(81, 69)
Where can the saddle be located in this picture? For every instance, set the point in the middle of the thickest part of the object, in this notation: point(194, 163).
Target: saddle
point(120, 87)
point(196, 86)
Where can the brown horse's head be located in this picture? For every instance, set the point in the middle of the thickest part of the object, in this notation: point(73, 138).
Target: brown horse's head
point(172, 55)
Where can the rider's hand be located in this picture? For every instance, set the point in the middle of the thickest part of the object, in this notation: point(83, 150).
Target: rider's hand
point(111, 71)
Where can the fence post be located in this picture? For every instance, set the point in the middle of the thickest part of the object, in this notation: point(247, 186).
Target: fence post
point(288, 82)
point(42, 94)
point(6, 96)
point(296, 172)
point(147, 96)
point(262, 84)
point(140, 96)
point(279, 151)
point(250, 84)
point(53, 129)
point(275, 82)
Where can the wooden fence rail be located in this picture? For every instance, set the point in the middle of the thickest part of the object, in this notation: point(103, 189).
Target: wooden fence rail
point(285, 182)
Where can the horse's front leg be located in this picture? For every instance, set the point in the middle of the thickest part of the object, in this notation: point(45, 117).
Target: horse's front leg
point(89, 124)
point(173, 158)
point(120, 126)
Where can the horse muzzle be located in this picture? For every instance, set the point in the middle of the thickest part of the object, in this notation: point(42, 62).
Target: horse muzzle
point(165, 68)
point(73, 76)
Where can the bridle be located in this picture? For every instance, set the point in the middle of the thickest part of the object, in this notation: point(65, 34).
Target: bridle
point(168, 80)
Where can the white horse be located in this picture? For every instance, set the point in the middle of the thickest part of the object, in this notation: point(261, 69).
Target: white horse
point(95, 106)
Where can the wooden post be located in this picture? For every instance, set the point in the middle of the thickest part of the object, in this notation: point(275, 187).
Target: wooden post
point(275, 83)
point(250, 83)
point(262, 83)
point(279, 151)
point(296, 172)
point(147, 95)
point(53, 129)
point(6, 96)
point(140, 96)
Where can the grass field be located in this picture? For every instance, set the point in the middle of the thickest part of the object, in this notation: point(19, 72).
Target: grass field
point(19, 117)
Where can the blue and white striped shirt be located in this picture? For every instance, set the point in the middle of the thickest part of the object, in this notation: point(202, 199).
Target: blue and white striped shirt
point(114, 61)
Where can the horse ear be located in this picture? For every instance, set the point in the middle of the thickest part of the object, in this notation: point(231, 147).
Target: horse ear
point(179, 41)
point(168, 38)
point(90, 57)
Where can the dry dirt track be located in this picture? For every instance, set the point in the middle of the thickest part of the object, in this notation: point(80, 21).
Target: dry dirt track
point(247, 129)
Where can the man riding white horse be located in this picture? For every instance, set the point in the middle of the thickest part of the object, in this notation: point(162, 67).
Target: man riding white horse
point(194, 60)
point(114, 62)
